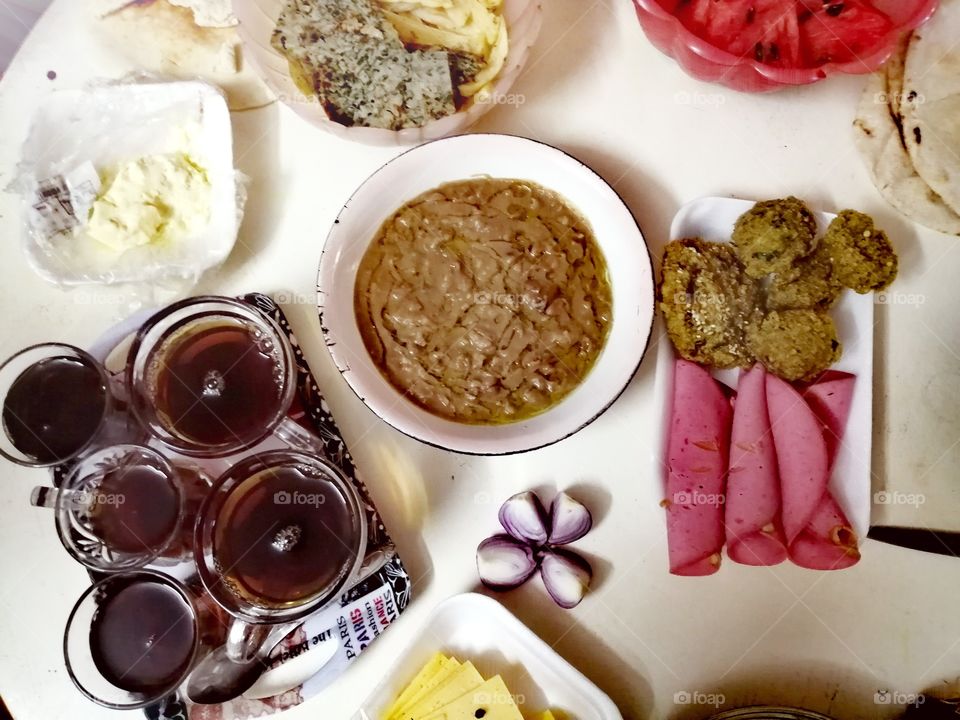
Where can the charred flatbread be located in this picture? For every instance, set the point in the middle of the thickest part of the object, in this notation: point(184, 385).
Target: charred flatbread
point(930, 105)
point(164, 38)
point(882, 147)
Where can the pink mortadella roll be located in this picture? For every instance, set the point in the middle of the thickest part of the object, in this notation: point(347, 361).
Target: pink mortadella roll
point(752, 511)
point(818, 533)
point(830, 399)
point(801, 455)
point(829, 542)
point(697, 450)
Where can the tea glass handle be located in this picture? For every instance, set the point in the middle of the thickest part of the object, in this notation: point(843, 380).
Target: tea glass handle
point(44, 497)
point(298, 437)
point(245, 641)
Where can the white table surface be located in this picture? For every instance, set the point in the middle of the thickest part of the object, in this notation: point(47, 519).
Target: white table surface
point(596, 88)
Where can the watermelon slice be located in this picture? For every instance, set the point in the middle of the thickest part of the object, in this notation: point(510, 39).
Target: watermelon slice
point(765, 30)
point(840, 30)
point(786, 33)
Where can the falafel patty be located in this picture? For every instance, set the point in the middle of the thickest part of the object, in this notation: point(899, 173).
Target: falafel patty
point(795, 344)
point(863, 257)
point(773, 235)
point(816, 286)
point(707, 302)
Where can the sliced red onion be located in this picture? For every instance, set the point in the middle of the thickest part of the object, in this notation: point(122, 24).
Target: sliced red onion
point(523, 517)
point(566, 576)
point(504, 563)
point(569, 520)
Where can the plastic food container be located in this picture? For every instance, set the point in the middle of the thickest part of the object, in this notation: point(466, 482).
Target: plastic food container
point(704, 61)
point(712, 218)
point(77, 133)
point(477, 628)
point(257, 22)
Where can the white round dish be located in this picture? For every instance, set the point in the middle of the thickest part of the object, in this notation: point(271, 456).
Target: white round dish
point(258, 19)
point(503, 156)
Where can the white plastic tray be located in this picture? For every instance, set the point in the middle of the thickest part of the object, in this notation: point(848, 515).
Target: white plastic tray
point(476, 628)
point(106, 124)
point(712, 218)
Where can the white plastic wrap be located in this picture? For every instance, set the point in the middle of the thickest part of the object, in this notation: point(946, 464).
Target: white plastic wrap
point(77, 133)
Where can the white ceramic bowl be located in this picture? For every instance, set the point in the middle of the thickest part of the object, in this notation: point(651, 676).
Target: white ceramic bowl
point(258, 19)
point(503, 156)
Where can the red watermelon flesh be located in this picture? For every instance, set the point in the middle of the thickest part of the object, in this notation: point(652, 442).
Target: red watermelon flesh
point(764, 30)
point(840, 31)
point(786, 33)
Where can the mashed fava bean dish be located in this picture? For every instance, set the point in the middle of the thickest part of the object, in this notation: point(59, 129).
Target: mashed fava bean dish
point(484, 301)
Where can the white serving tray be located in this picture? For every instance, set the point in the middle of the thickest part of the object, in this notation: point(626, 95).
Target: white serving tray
point(712, 218)
point(476, 628)
point(108, 123)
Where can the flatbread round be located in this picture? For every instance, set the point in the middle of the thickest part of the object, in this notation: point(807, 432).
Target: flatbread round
point(930, 105)
point(893, 75)
point(163, 38)
point(881, 146)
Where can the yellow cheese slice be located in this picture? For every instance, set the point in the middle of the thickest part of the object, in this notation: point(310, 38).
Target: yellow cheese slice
point(545, 715)
point(433, 666)
point(440, 677)
point(490, 701)
point(464, 679)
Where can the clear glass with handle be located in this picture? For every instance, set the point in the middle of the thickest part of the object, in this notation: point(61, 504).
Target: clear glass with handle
point(282, 534)
point(211, 376)
point(127, 506)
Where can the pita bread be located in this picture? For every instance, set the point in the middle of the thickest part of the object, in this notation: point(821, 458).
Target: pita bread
point(163, 38)
point(881, 146)
point(930, 107)
point(893, 75)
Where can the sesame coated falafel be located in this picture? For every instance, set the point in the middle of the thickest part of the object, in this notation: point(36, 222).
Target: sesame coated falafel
point(863, 257)
point(707, 302)
point(795, 344)
point(816, 286)
point(773, 235)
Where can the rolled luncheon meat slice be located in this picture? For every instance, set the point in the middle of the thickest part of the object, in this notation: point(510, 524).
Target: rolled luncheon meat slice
point(697, 448)
point(828, 542)
point(801, 455)
point(752, 510)
point(830, 400)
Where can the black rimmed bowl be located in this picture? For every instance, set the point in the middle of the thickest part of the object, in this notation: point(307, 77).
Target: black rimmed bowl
point(497, 156)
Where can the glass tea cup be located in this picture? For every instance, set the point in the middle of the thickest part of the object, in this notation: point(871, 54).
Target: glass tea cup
point(55, 402)
point(210, 376)
point(134, 637)
point(127, 506)
point(282, 534)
